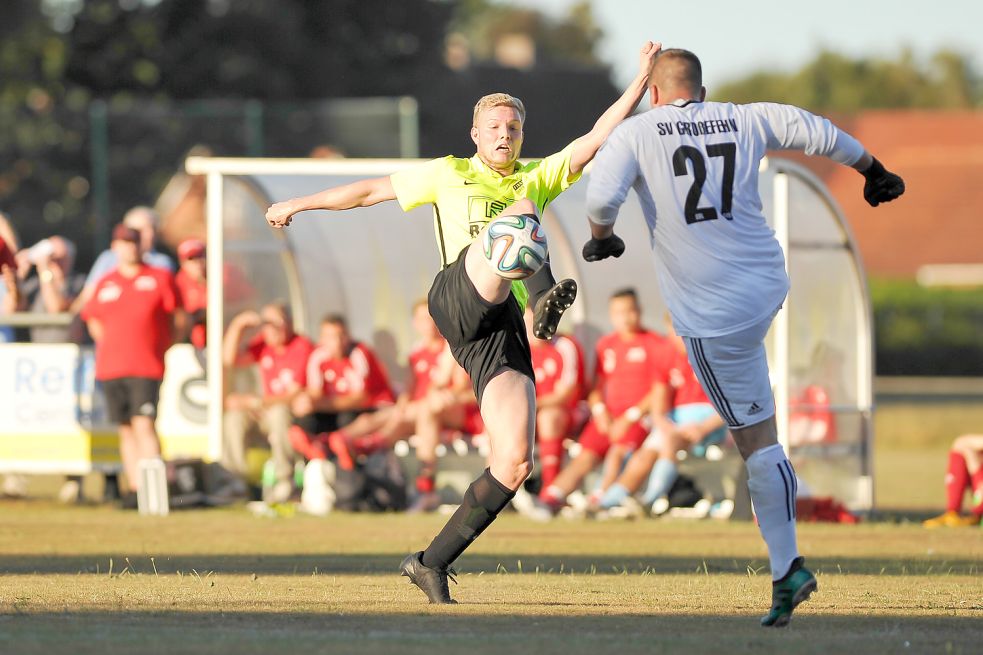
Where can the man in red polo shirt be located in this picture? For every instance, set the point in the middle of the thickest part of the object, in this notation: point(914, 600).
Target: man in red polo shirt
point(626, 378)
point(190, 280)
point(130, 316)
point(281, 355)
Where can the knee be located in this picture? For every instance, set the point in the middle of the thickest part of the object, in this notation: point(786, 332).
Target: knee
point(514, 470)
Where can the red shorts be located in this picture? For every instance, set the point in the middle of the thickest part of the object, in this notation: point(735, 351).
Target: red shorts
point(593, 440)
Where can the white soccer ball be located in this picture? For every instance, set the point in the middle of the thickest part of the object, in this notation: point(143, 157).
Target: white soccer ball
point(514, 246)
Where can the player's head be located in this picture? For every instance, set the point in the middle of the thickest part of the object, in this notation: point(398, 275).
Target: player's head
point(333, 337)
point(677, 74)
point(277, 323)
point(144, 220)
point(624, 312)
point(126, 245)
point(191, 255)
point(497, 130)
point(423, 322)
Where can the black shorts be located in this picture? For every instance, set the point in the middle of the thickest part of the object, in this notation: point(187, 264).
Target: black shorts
point(484, 338)
point(129, 397)
point(321, 422)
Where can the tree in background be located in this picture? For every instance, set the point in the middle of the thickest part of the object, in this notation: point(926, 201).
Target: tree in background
point(572, 39)
point(833, 82)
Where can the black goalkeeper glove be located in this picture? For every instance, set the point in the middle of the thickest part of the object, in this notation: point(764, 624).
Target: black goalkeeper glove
point(882, 185)
point(597, 249)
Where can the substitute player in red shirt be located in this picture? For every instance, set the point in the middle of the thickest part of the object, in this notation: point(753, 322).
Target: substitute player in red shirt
point(344, 380)
point(626, 375)
point(683, 419)
point(130, 316)
point(560, 382)
point(281, 355)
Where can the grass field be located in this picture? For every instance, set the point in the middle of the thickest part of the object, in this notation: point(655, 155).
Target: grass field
point(98, 580)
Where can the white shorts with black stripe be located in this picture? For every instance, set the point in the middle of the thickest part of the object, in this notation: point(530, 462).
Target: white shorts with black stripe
point(733, 371)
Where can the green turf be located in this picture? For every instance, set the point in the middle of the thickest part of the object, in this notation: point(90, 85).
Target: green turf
point(83, 580)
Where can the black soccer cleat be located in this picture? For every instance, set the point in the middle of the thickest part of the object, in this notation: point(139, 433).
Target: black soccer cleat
point(550, 308)
point(432, 582)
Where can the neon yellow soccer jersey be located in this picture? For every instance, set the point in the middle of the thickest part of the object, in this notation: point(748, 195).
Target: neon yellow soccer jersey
point(466, 195)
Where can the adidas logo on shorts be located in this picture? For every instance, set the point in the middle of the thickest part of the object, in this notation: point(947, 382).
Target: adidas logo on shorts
point(753, 409)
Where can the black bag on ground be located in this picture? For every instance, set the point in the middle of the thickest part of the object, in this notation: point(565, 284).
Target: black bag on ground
point(377, 484)
point(684, 492)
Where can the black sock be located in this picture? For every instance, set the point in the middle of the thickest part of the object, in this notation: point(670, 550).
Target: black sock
point(483, 500)
point(539, 283)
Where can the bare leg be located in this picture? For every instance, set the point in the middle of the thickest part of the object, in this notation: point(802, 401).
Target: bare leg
point(571, 476)
point(129, 452)
point(508, 409)
point(638, 468)
point(612, 466)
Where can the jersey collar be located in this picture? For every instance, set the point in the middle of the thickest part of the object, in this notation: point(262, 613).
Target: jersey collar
point(478, 164)
point(680, 102)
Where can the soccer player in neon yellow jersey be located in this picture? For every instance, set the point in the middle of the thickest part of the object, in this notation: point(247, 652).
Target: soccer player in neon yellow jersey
point(478, 312)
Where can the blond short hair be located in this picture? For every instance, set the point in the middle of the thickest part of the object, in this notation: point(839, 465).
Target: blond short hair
point(499, 100)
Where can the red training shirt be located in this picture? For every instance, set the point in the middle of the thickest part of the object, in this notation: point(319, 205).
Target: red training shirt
point(359, 371)
point(282, 371)
point(135, 314)
point(424, 365)
point(560, 361)
point(627, 368)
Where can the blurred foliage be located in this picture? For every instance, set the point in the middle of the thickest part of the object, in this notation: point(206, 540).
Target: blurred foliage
point(142, 57)
point(569, 40)
point(835, 82)
point(169, 74)
point(922, 331)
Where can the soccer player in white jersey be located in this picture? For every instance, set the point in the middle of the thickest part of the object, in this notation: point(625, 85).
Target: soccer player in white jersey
point(694, 167)
point(478, 312)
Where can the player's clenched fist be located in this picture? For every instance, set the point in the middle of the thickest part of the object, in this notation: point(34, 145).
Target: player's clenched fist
point(882, 185)
point(279, 215)
point(597, 249)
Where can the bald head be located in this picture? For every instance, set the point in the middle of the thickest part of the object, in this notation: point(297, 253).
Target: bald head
point(677, 74)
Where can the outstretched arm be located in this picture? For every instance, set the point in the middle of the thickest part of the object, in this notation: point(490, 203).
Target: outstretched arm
point(363, 193)
point(787, 127)
point(587, 146)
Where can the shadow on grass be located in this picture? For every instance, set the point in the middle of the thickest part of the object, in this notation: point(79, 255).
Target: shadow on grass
point(388, 563)
point(461, 629)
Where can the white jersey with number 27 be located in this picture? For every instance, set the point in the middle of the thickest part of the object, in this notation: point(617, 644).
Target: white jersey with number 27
point(694, 166)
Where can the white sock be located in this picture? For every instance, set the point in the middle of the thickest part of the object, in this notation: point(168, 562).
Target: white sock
point(771, 481)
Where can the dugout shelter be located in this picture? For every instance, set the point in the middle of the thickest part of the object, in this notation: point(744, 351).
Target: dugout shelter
point(371, 265)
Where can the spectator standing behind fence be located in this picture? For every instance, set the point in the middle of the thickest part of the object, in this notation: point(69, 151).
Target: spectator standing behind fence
point(192, 287)
point(52, 289)
point(281, 355)
point(145, 221)
point(131, 318)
